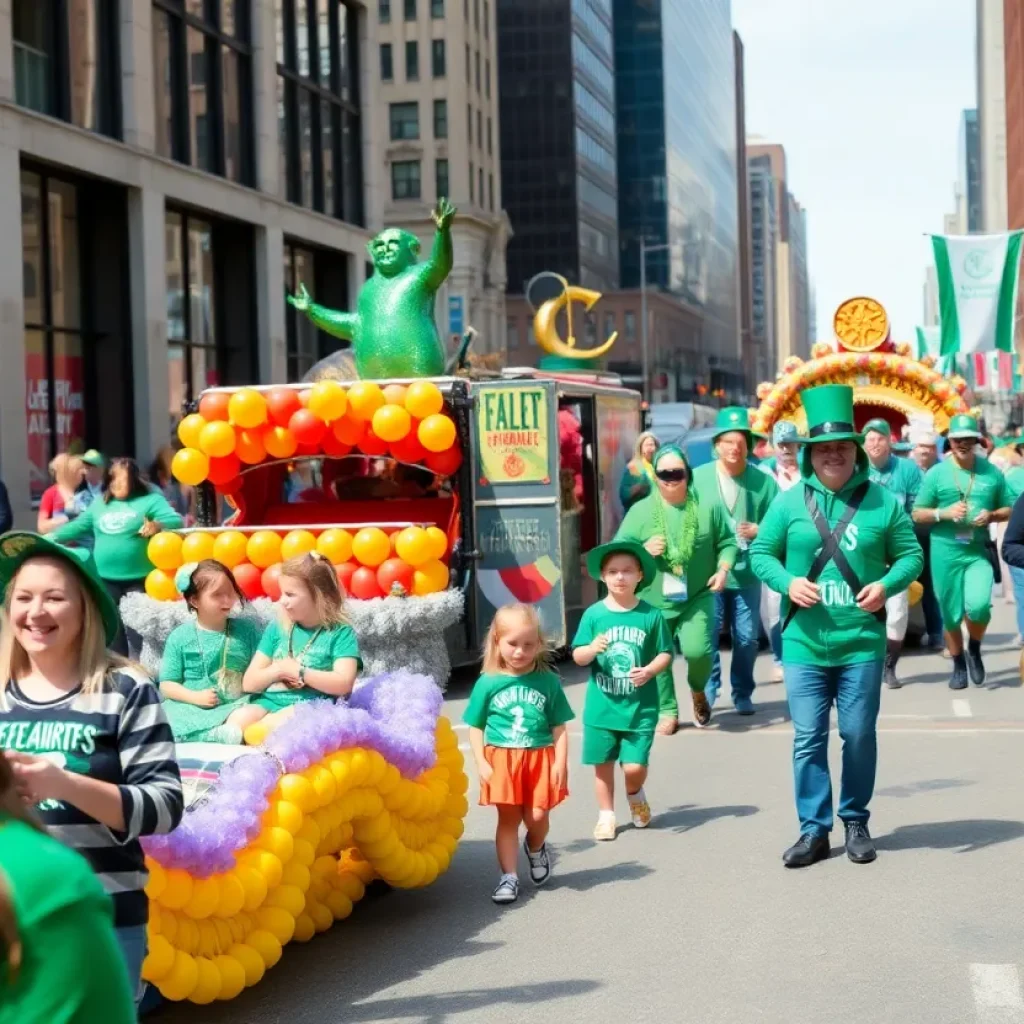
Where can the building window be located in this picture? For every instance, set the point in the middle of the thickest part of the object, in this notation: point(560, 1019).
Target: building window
point(487, 18)
point(487, 79)
point(471, 181)
point(476, 60)
point(387, 71)
point(480, 129)
point(437, 8)
point(318, 105)
point(629, 325)
point(609, 325)
point(440, 119)
point(480, 185)
point(468, 69)
point(437, 61)
point(191, 309)
point(410, 10)
point(490, 192)
point(469, 123)
point(405, 179)
point(405, 121)
point(384, 11)
point(54, 350)
point(203, 87)
point(441, 170)
point(412, 61)
point(490, 147)
point(66, 61)
point(303, 338)
point(476, 15)
point(512, 333)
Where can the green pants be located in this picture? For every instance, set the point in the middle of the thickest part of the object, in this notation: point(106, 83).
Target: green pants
point(691, 627)
point(962, 578)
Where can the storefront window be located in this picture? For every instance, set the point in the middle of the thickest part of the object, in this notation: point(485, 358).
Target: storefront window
point(303, 336)
point(54, 371)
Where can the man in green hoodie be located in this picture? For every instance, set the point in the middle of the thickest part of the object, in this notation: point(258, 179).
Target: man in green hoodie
point(836, 548)
point(742, 495)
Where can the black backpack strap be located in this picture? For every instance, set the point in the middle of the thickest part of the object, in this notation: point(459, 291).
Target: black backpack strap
point(830, 548)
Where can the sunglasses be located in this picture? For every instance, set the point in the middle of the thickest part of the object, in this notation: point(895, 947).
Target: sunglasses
point(671, 476)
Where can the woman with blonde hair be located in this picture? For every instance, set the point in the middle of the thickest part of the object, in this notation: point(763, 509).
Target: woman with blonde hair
point(56, 506)
point(638, 476)
point(88, 740)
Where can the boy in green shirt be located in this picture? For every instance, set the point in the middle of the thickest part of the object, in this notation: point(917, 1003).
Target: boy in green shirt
point(626, 644)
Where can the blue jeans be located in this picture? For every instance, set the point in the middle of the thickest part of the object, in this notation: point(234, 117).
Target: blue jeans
point(743, 607)
point(855, 690)
point(1017, 577)
point(134, 945)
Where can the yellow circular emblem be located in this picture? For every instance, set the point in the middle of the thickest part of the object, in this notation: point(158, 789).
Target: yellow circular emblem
point(861, 324)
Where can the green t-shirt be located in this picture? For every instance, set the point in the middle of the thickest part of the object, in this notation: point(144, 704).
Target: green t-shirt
point(72, 970)
point(194, 657)
point(754, 492)
point(1015, 483)
point(635, 639)
point(518, 711)
point(316, 649)
point(901, 477)
point(946, 483)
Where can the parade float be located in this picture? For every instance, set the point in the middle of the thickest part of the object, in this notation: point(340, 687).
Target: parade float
point(438, 495)
point(888, 380)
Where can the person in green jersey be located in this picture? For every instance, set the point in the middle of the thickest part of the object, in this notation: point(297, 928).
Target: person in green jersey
point(836, 548)
point(52, 909)
point(693, 550)
point(205, 659)
point(962, 496)
point(311, 652)
point(516, 716)
point(742, 494)
point(903, 479)
point(120, 525)
point(638, 476)
point(627, 645)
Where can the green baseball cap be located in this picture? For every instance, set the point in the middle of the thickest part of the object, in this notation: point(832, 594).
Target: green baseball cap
point(963, 425)
point(94, 458)
point(878, 426)
point(17, 547)
point(596, 557)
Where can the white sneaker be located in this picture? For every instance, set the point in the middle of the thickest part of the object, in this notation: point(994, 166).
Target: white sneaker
point(639, 808)
point(604, 830)
point(540, 863)
point(507, 889)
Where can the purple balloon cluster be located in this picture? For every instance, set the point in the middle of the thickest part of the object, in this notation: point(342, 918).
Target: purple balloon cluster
point(395, 714)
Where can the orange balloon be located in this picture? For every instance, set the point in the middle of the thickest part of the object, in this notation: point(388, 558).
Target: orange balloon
point(247, 408)
point(391, 423)
point(335, 545)
point(230, 548)
point(249, 447)
point(436, 433)
point(328, 401)
point(394, 394)
point(190, 466)
point(214, 406)
point(371, 546)
point(217, 439)
point(189, 429)
point(423, 398)
point(297, 542)
point(429, 578)
point(364, 399)
point(264, 548)
point(349, 431)
point(279, 442)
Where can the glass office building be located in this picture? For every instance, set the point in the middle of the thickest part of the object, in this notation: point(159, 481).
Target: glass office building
point(677, 176)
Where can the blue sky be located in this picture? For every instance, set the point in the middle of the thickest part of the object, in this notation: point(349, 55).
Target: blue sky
point(866, 97)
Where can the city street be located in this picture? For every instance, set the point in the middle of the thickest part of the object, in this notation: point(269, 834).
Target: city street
point(696, 919)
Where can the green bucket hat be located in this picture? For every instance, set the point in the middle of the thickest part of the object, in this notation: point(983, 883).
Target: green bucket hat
point(829, 411)
point(878, 426)
point(963, 425)
point(597, 556)
point(16, 548)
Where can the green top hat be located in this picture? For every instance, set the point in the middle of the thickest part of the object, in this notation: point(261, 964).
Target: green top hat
point(597, 557)
point(963, 425)
point(829, 411)
point(878, 426)
point(733, 417)
point(16, 548)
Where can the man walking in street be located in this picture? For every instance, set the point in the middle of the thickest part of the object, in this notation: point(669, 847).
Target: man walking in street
point(743, 494)
point(925, 453)
point(903, 479)
point(960, 498)
point(836, 547)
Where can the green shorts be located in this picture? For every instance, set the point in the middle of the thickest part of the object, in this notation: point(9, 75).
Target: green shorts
point(627, 746)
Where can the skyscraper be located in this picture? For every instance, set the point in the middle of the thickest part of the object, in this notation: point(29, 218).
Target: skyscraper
point(764, 245)
point(969, 181)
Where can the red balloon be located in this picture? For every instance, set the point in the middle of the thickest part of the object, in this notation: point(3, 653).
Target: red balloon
point(247, 576)
point(409, 448)
point(392, 571)
point(332, 447)
point(444, 463)
point(233, 486)
point(371, 444)
point(308, 449)
point(224, 470)
point(271, 581)
point(349, 431)
point(281, 404)
point(344, 573)
point(304, 397)
point(364, 585)
point(307, 428)
point(214, 406)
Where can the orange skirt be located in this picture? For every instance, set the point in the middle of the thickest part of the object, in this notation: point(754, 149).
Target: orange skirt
point(521, 778)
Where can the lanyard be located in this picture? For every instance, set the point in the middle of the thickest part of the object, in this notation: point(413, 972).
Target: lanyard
point(309, 643)
point(224, 647)
point(741, 494)
point(964, 495)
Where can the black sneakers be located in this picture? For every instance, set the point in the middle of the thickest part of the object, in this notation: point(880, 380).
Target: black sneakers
point(958, 680)
point(975, 666)
point(807, 850)
point(860, 847)
point(892, 655)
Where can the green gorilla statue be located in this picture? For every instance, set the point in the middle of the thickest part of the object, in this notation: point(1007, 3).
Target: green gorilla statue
point(393, 331)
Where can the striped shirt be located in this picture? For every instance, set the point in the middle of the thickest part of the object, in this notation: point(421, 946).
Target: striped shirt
point(120, 736)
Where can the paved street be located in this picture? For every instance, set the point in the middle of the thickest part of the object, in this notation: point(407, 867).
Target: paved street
point(696, 919)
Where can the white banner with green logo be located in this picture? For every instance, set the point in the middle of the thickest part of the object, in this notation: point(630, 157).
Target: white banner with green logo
point(978, 279)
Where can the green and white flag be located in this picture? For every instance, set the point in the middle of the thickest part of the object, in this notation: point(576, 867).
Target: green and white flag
point(978, 278)
point(929, 341)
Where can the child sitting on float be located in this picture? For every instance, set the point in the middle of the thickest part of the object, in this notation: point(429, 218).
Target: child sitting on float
point(311, 651)
point(205, 659)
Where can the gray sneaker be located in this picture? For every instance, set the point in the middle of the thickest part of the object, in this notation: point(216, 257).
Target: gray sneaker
point(540, 863)
point(507, 890)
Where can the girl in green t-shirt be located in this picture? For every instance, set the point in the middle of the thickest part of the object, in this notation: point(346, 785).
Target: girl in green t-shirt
point(312, 651)
point(205, 659)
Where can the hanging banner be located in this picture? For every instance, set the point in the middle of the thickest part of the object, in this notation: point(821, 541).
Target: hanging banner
point(978, 279)
point(512, 427)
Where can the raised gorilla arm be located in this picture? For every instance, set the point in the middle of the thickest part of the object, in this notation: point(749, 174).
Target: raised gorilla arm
point(439, 265)
point(333, 321)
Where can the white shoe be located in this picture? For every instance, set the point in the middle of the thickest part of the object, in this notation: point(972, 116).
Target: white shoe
point(639, 808)
point(604, 830)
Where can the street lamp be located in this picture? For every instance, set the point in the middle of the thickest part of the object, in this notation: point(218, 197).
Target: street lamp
point(644, 352)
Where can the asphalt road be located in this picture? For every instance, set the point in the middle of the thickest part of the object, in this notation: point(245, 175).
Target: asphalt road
point(695, 919)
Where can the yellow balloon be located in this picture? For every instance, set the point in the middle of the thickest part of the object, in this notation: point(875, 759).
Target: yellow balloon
point(264, 548)
point(430, 578)
point(189, 429)
point(339, 905)
point(413, 546)
point(255, 887)
point(277, 922)
point(436, 433)
point(371, 546)
point(438, 541)
point(328, 401)
point(204, 899)
point(305, 929)
point(297, 542)
point(274, 846)
point(335, 545)
point(284, 814)
point(180, 981)
point(364, 399)
point(391, 423)
point(164, 551)
point(232, 977)
point(217, 439)
point(160, 586)
point(197, 546)
point(297, 789)
point(298, 876)
point(229, 548)
point(287, 898)
point(266, 945)
point(160, 959)
point(208, 985)
point(250, 961)
point(247, 408)
point(423, 398)
point(232, 896)
point(190, 466)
